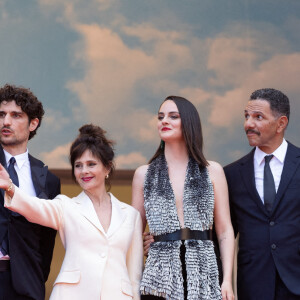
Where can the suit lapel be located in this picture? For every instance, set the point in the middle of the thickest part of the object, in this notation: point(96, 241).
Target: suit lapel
point(2, 158)
point(38, 175)
point(3, 163)
point(247, 174)
point(87, 210)
point(118, 215)
point(291, 163)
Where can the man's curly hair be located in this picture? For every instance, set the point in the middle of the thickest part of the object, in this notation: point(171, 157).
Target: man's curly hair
point(24, 98)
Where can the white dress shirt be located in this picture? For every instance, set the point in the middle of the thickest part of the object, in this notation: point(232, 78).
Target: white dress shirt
point(276, 165)
point(22, 167)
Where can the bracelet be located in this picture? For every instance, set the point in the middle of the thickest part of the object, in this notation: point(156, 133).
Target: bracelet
point(10, 187)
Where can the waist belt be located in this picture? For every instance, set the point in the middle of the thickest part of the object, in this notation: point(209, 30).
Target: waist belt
point(4, 265)
point(184, 234)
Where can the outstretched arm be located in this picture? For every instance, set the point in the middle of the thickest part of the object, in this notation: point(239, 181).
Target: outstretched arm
point(35, 210)
point(48, 235)
point(223, 227)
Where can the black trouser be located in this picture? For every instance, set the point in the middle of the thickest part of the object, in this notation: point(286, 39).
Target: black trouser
point(7, 291)
point(182, 258)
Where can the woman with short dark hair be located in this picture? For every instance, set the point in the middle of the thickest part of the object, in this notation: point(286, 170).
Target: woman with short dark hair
point(101, 235)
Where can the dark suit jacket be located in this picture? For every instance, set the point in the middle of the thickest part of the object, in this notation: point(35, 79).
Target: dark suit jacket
point(30, 245)
point(266, 242)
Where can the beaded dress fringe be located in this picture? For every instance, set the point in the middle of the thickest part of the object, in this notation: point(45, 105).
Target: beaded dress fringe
point(163, 270)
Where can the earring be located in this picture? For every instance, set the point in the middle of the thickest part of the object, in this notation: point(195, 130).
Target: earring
point(162, 144)
point(107, 176)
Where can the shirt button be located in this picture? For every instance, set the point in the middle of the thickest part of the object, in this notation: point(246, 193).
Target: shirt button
point(273, 246)
point(272, 223)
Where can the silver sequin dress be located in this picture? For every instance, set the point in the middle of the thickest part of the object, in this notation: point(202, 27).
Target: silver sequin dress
point(163, 270)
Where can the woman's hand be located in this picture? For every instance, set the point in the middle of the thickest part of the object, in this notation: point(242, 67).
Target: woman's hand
point(226, 290)
point(5, 181)
point(147, 240)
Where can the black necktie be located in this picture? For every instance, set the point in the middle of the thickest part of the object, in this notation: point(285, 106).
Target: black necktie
point(269, 185)
point(14, 177)
point(12, 171)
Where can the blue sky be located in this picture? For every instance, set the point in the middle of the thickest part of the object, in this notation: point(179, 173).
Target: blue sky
point(112, 62)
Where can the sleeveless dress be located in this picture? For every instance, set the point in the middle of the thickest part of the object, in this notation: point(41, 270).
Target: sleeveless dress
point(163, 269)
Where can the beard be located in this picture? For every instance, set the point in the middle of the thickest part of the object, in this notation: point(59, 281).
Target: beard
point(11, 141)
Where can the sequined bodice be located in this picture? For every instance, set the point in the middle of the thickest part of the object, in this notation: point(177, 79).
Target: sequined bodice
point(163, 270)
point(160, 207)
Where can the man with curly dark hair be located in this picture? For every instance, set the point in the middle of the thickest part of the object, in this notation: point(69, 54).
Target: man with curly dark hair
point(25, 248)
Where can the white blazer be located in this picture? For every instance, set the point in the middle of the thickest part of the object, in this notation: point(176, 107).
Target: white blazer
point(97, 265)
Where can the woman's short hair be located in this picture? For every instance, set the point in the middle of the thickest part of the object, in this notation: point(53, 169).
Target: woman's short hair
point(93, 138)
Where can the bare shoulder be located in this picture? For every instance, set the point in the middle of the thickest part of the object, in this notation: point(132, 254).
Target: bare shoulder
point(215, 170)
point(138, 191)
point(140, 172)
point(214, 166)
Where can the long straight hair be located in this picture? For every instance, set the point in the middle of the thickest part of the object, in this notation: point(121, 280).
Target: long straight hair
point(191, 130)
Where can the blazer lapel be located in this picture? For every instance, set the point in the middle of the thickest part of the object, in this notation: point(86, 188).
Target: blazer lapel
point(291, 163)
point(3, 163)
point(247, 174)
point(87, 210)
point(39, 175)
point(118, 215)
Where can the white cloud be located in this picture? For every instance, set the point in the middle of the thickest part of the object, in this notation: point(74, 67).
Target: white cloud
point(58, 158)
point(196, 95)
point(130, 161)
point(228, 108)
point(55, 120)
point(72, 11)
point(141, 125)
point(280, 72)
point(3, 15)
point(231, 58)
point(222, 71)
point(238, 51)
point(147, 33)
point(113, 72)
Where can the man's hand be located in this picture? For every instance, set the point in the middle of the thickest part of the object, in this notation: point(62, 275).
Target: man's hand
point(148, 239)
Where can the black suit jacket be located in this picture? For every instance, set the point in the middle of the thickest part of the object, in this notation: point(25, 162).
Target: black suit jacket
point(267, 242)
point(30, 245)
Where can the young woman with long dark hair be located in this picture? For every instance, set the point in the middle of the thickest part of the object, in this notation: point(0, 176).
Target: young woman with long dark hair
point(180, 195)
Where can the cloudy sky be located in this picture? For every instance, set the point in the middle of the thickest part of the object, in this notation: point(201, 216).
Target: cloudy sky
point(112, 62)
